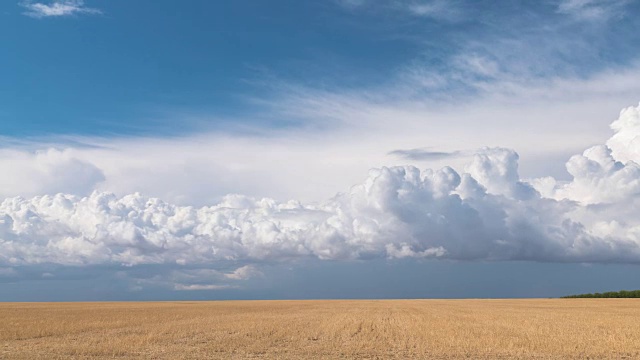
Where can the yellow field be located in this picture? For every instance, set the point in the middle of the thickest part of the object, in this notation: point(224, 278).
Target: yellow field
point(439, 329)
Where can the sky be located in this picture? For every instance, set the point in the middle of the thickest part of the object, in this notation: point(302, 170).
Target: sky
point(164, 150)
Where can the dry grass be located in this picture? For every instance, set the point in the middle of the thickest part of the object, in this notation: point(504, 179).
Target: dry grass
point(440, 329)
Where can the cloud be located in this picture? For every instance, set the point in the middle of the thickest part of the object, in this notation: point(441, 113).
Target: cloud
point(434, 9)
point(546, 121)
point(244, 273)
point(191, 276)
point(425, 154)
point(486, 93)
point(625, 144)
point(190, 279)
point(485, 213)
point(198, 287)
point(592, 9)
point(50, 171)
point(57, 8)
point(606, 174)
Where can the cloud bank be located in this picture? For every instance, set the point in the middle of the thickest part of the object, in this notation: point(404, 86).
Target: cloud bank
point(486, 212)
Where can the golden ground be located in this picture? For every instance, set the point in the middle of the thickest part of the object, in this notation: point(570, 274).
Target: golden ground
point(362, 329)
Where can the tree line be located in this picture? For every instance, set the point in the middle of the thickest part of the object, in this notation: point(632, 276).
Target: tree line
point(610, 294)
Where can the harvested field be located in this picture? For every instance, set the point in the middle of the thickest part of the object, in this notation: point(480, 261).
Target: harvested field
point(359, 329)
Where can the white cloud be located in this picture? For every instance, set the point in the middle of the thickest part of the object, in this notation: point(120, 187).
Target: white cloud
point(243, 273)
point(207, 275)
point(625, 144)
point(46, 172)
point(605, 174)
point(486, 213)
point(491, 93)
point(546, 121)
point(57, 8)
point(189, 279)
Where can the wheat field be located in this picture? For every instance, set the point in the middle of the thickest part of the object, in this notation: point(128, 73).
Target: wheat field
point(334, 329)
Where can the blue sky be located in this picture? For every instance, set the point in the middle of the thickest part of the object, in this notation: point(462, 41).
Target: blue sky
point(130, 67)
point(239, 149)
point(126, 67)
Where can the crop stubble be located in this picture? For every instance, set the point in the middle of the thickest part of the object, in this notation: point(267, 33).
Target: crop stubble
point(360, 329)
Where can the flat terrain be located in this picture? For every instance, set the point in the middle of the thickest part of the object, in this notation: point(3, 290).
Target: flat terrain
point(439, 329)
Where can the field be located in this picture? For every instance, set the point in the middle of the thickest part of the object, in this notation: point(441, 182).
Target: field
point(362, 329)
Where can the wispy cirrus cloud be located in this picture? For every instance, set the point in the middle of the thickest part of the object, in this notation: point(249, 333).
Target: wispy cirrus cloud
point(592, 9)
point(57, 8)
point(435, 9)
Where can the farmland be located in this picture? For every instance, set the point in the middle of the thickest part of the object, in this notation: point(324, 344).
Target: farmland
point(360, 329)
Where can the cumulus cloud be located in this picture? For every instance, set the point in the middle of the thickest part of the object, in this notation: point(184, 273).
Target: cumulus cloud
point(625, 144)
point(485, 213)
point(57, 8)
point(604, 174)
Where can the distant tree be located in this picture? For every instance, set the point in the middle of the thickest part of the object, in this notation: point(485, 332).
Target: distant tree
point(610, 294)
